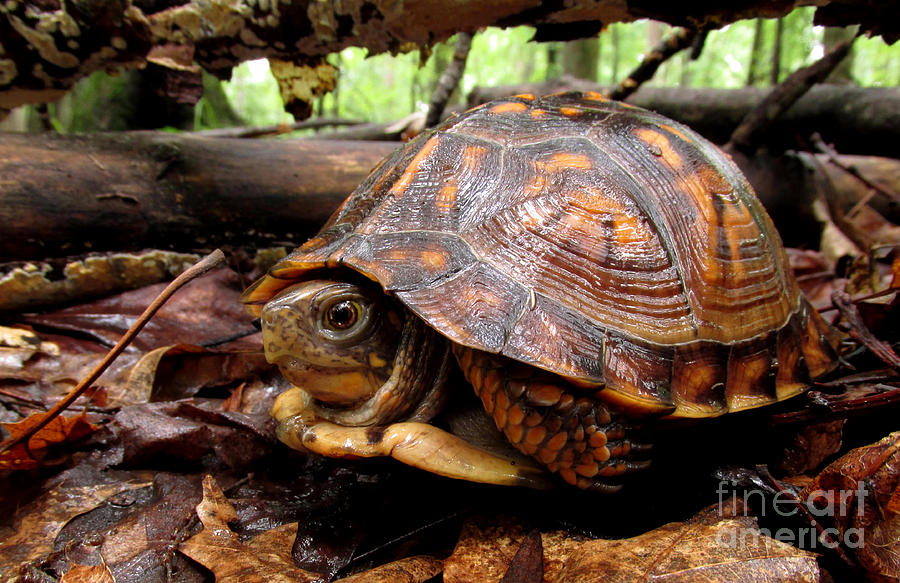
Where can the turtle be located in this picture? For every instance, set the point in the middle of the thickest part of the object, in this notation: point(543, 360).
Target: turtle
point(589, 266)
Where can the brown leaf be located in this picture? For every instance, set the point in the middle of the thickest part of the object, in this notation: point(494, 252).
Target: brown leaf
point(88, 574)
point(811, 444)
point(58, 431)
point(37, 524)
point(409, 570)
point(527, 566)
point(707, 548)
point(203, 312)
point(220, 550)
point(857, 496)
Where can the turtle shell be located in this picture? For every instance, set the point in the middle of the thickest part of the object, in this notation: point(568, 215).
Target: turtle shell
point(599, 241)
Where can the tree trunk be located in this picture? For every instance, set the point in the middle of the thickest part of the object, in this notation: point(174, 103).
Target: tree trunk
point(842, 74)
point(755, 54)
point(775, 74)
point(579, 58)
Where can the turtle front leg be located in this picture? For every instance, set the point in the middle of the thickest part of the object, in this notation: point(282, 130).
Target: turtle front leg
point(414, 443)
point(578, 437)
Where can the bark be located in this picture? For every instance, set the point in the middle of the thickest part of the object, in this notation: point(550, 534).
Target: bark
point(47, 45)
point(146, 189)
point(856, 120)
point(70, 194)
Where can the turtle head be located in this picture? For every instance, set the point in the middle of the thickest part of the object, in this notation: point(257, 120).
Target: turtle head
point(334, 339)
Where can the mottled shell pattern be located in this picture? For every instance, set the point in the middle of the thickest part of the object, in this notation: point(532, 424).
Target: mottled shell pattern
point(589, 238)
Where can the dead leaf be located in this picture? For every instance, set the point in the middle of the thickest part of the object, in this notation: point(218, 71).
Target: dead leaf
point(857, 497)
point(219, 549)
point(88, 574)
point(37, 524)
point(527, 565)
point(60, 430)
point(810, 445)
point(409, 570)
point(707, 548)
point(206, 311)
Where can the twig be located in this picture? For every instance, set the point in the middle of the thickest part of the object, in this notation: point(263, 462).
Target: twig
point(860, 332)
point(678, 39)
point(746, 137)
point(209, 262)
point(449, 79)
point(834, 158)
point(824, 535)
point(857, 299)
point(284, 128)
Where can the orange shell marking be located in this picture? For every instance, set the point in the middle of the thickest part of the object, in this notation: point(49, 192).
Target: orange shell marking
point(509, 107)
point(659, 142)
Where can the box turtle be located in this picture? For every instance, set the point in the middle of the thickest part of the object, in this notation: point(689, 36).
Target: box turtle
point(587, 264)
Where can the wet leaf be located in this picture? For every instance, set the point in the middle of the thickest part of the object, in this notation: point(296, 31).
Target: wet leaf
point(88, 574)
point(857, 497)
point(527, 565)
point(60, 430)
point(204, 312)
point(707, 548)
point(219, 549)
point(810, 445)
point(37, 524)
point(180, 371)
point(190, 431)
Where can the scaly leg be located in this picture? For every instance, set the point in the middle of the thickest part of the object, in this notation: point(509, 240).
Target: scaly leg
point(578, 437)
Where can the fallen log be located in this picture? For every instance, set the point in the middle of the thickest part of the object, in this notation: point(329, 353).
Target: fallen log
point(47, 46)
point(857, 120)
point(66, 195)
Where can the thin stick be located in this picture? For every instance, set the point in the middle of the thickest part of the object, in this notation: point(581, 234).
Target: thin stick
point(834, 158)
point(449, 79)
point(212, 260)
point(678, 39)
point(749, 134)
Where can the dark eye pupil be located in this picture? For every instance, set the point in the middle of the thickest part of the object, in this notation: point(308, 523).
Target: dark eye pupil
point(342, 315)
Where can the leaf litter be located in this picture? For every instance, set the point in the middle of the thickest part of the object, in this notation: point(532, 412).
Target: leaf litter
point(169, 471)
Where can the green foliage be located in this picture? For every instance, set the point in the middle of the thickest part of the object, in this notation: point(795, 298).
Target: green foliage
point(383, 88)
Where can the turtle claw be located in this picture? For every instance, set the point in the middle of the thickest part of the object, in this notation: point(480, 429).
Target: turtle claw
point(416, 444)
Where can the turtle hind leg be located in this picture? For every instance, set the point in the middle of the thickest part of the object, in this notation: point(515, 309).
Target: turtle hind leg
point(579, 438)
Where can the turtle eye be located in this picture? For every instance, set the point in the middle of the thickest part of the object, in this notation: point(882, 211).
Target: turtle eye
point(343, 315)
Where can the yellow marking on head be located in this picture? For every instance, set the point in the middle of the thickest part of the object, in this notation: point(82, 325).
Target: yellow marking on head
point(509, 107)
point(659, 142)
point(528, 96)
point(413, 167)
point(376, 361)
point(569, 111)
